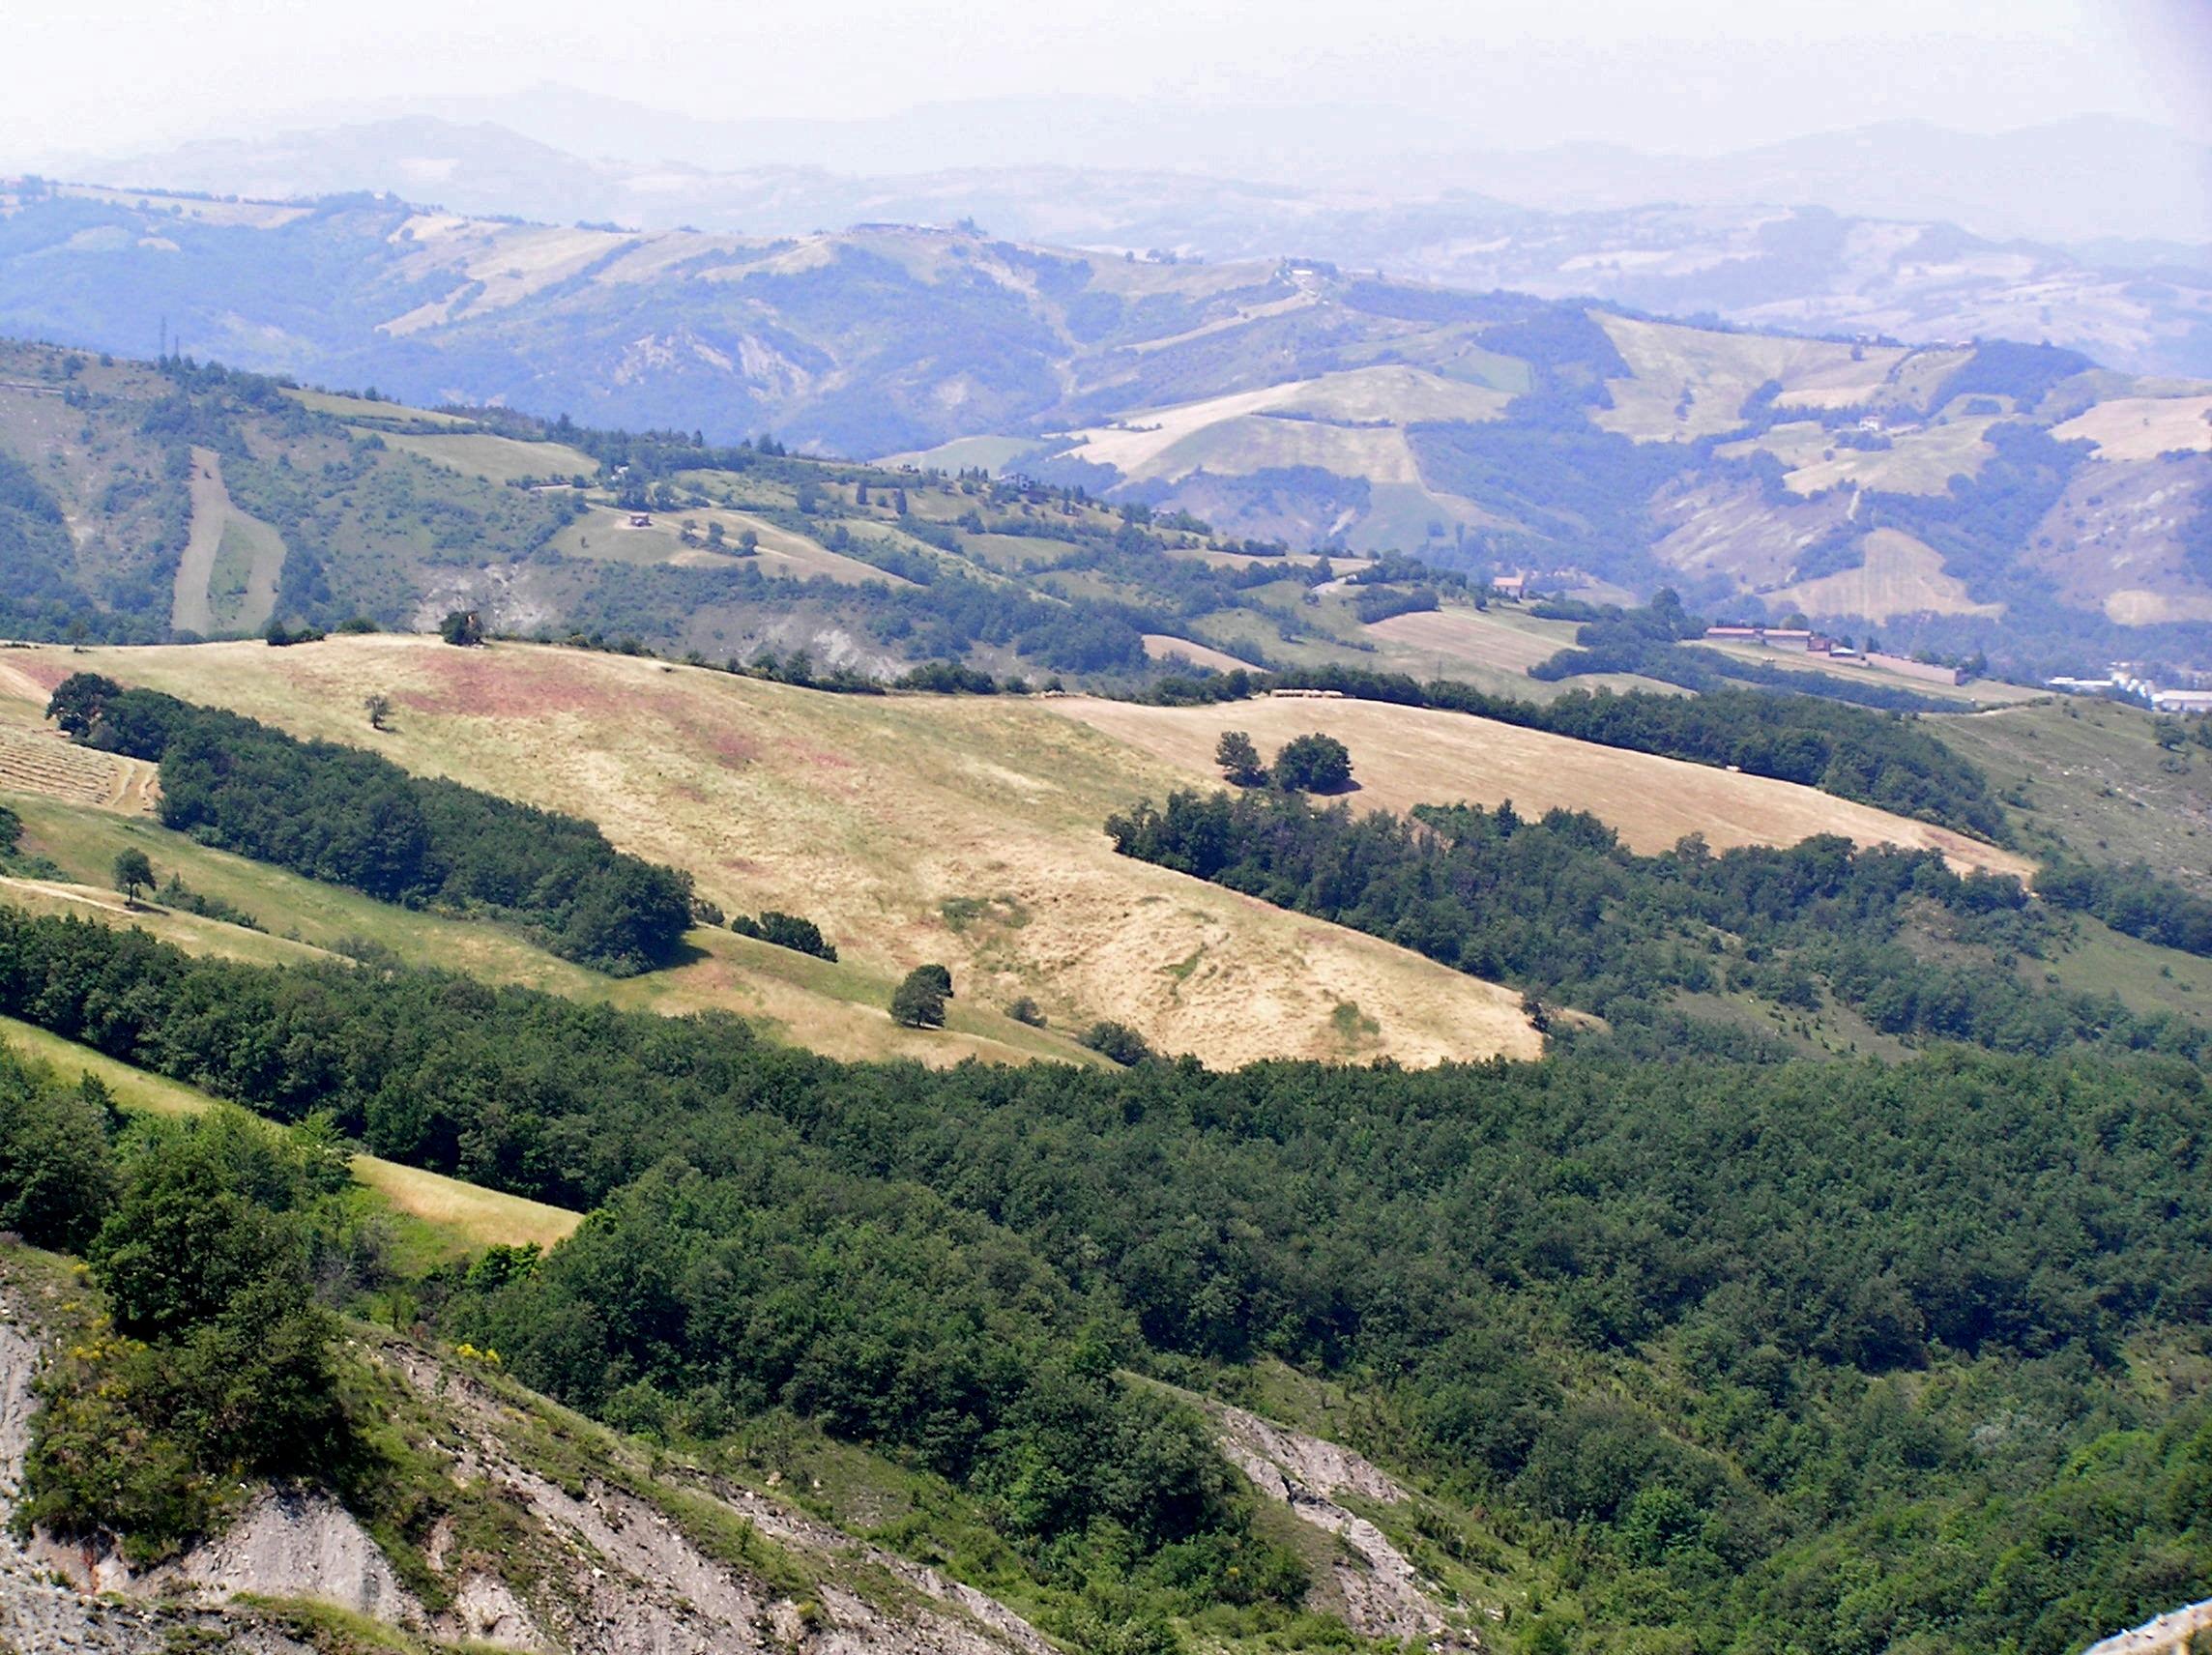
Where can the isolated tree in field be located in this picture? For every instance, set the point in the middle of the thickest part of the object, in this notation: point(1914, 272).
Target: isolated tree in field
point(716, 534)
point(1238, 759)
point(1312, 764)
point(462, 627)
point(918, 1000)
point(941, 975)
point(133, 873)
point(378, 708)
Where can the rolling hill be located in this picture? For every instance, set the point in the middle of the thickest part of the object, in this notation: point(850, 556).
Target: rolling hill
point(2090, 233)
point(963, 829)
point(2063, 505)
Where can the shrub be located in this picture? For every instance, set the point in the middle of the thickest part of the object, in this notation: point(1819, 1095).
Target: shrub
point(1117, 1041)
point(786, 931)
point(1312, 764)
point(918, 1000)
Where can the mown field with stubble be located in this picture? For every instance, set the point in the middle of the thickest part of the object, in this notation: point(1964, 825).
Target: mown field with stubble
point(910, 827)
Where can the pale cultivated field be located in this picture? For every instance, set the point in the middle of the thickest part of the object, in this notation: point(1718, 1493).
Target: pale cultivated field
point(910, 828)
point(1467, 637)
point(1901, 575)
point(1140, 439)
point(1161, 646)
point(505, 263)
point(1974, 695)
point(466, 1215)
point(1407, 756)
point(362, 408)
point(963, 454)
point(242, 215)
point(1244, 432)
point(608, 536)
point(2143, 427)
point(1394, 392)
point(2139, 606)
point(1718, 372)
point(1238, 446)
point(1922, 461)
point(497, 459)
point(227, 579)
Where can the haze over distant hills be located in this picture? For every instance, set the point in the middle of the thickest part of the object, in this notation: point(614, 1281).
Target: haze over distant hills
point(1856, 232)
point(2017, 498)
point(2082, 178)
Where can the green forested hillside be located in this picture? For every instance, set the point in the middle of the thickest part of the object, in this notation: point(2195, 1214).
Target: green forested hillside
point(1745, 1356)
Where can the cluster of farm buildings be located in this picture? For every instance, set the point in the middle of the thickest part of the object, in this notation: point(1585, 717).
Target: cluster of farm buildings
point(2124, 683)
point(1812, 643)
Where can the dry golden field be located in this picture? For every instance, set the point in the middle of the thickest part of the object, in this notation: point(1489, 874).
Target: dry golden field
point(910, 827)
point(1405, 756)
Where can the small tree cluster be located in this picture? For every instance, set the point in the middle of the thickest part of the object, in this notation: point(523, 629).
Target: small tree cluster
point(462, 627)
point(785, 931)
point(133, 873)
point(1306, 764)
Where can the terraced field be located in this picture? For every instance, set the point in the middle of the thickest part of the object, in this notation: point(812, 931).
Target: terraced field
point(41, 761)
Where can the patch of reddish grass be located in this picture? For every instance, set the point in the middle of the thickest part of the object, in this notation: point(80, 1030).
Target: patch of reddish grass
point(819, 758)
point(475, 683)
point(45, 673)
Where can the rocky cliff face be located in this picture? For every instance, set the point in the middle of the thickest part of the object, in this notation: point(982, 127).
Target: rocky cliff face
point(600, 1555)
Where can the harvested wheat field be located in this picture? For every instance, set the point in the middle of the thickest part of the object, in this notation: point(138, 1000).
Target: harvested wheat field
point(1463, 638)
point(1403, 756)
point(2143, 427)
point(1163, 646)
point(40, 760)
point(910, 827)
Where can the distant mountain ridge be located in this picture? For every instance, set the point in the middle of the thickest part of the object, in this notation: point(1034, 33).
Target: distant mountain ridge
point(1985, 494)
point(1845, 233)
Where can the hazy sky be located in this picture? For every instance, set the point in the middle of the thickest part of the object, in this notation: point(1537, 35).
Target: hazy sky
point(114, 76)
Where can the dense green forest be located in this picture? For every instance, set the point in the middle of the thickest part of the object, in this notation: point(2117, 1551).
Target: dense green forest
point(1830, 1357)
point(339, 814)
point(212, 1361)
point(1878, 758)
point(1558, 905)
